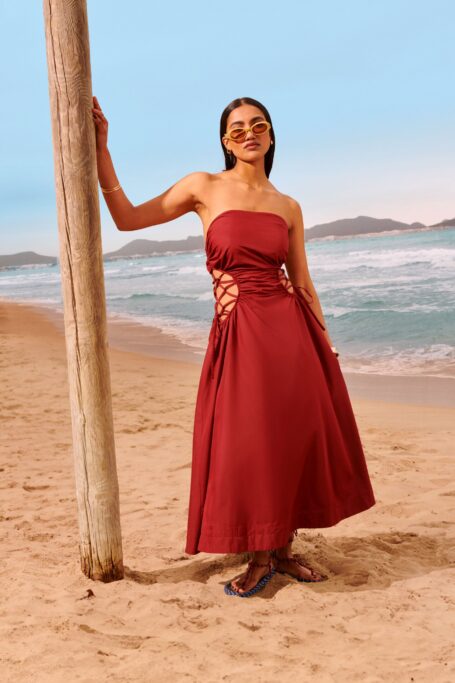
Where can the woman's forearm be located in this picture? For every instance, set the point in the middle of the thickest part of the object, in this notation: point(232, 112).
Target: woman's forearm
point(315, 304)
point(120, 207)
point(318, 311)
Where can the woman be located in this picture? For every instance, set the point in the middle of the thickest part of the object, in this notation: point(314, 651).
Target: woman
point(275, 442)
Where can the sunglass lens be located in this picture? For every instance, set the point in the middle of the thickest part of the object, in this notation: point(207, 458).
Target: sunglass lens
point(260, 127)
point(238, 134)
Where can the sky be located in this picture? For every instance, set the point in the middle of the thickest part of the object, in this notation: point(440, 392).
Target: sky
point(360, 94)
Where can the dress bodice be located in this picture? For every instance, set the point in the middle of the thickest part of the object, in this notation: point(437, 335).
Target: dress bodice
point(239, 239)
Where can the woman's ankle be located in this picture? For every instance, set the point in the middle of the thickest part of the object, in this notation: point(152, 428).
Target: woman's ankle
point(261, 556)
point(285, 550)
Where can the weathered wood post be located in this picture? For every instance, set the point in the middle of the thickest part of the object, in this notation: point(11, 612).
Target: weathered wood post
point(81, 264)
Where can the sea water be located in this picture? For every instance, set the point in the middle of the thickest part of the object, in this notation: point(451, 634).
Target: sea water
point(388, 300)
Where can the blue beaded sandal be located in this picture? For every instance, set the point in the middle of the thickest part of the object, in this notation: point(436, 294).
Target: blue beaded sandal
point(229, 590)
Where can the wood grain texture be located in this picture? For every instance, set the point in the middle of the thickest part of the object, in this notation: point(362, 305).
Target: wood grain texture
point(81, 264)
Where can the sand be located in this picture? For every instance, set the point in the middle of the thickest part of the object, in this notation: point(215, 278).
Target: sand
point(385, 614)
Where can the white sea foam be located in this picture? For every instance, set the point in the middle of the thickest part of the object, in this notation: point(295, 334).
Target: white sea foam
point(192, 270)
point(437, 360)
point(439, 258)
point(191, 333)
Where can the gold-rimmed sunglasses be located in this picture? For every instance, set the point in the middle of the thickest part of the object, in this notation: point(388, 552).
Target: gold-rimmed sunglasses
point(239, 134)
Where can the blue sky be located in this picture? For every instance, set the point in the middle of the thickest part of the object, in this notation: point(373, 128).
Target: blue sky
point(360, 93)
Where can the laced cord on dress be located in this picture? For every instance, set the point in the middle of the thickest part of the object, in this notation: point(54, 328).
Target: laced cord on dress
point(296, 291)
point(224, 299)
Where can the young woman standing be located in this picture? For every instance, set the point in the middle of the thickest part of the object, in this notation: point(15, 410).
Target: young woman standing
point(275, 441)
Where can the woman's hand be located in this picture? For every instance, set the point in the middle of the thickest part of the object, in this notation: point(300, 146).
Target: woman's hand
point(331, 344)
point(101, 125)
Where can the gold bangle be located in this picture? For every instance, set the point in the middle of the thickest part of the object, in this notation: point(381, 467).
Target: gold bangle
point(112, 189)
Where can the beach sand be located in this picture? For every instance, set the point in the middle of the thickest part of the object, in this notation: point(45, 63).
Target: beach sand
point(385, 614)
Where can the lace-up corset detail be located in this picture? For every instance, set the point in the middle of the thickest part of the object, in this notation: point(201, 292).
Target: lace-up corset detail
point(226, 291)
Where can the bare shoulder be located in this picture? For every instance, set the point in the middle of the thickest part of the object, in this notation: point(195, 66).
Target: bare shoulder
point(292, 210)
point(183, 196)
point(295, 210)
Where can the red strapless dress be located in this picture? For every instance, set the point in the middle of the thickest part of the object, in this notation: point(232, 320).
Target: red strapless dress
point(275, 441)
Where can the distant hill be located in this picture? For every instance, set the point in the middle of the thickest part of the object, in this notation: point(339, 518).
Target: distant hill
point(341, 228)
point(357, 226)
point(446, 223)
point(345, 227)
point(26, 258)
point(150, 247)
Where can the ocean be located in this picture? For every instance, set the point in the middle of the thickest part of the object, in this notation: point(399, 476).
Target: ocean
point(388, 300)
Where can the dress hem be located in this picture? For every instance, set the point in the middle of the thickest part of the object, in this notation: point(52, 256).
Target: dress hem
point(264, 541)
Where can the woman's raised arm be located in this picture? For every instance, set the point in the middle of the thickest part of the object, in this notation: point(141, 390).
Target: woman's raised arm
point(177, 200)
point(180, 198)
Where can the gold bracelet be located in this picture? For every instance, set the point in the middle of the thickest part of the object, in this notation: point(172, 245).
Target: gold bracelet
point(105, 190)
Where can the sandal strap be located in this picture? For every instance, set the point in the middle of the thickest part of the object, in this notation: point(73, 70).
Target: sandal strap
point(297, 561)
point(292, 559)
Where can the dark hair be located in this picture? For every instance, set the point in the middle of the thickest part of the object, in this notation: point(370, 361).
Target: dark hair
point(229, 160)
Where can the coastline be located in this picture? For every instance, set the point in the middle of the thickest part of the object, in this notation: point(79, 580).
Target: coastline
point(131, 336)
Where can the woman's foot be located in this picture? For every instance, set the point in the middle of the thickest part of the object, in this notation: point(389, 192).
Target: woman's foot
point(258, 567)
point(288, 563)
point(294, 567)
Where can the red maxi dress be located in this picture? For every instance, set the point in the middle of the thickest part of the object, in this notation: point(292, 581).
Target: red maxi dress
point(275, 441)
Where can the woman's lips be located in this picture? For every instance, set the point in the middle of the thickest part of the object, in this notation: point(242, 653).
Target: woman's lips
point(251, 144)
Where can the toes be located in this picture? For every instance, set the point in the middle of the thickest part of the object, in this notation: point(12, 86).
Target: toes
point(316, 576)
point(235, 586)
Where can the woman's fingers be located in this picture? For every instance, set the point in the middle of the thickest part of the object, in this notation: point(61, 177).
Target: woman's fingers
point(98, 114)
point(100, 122)
point(97, 105)
point(97, 109)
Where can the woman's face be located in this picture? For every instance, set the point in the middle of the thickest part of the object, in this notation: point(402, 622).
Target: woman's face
point(243, 117)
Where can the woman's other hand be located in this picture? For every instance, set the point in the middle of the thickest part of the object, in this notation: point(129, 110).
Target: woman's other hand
point(101, 125)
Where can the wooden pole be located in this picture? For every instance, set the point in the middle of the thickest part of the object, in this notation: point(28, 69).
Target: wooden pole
point(81, 265)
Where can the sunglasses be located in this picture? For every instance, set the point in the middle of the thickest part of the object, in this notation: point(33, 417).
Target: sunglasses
point(239, 134)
